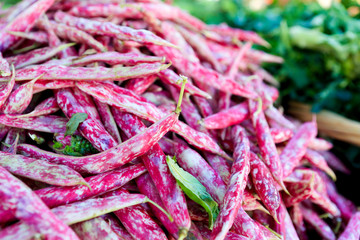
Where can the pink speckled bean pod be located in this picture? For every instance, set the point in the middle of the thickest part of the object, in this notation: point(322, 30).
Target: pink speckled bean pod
point(288, 230)
point(274, 114)
point(320, 144)
point(233, 68)
point(316, 222)
point(3, 131)
point(25, 205)
point(266, 143)
point(4, 67)
point(79, 212)
point(87, 103)
point(148, 188)
point(117, 227)
point(325, 203)
point(114, 157)
point(265, 185)
point(170, 77)
point(296, 147)
point(50, 123)
point(317, 160)
point(19, 99)
point(38, 36)
point(96, 228)
point(114, 58)
point(280, 135)
point(139, 85)
point(200, 73)
point(36, 56)
point(59, 72)
point(155, 161)
point(298, 221)
point(22, 23)
point(220, 165)
point(42, 85)
point(196, 212)
point(246, 226)
point(6, 88)
point(99, 184)
point(239, 34)
point(334, 162)
point(149, 112)
point(46, 107)
point(299, 188)
point(92, 129)
point(17, 9)
point(108, 120)
point(137, 220)
point(234, 193)
point(351, 231)
point(13, 137)
point(40, 170)
point(231, 116)
point(110, 29)
point(76, 35)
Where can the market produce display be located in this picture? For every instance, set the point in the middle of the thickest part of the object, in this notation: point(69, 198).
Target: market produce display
point(140, 121)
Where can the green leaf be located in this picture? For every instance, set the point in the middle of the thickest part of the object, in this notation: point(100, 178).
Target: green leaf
point(194, 190)
point(74, 122)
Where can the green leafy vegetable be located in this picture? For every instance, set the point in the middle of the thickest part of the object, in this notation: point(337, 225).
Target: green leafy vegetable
point(74, 122)
point(194, 190)
point(79, 147)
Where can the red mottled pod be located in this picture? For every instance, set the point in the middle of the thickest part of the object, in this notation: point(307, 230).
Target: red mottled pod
point(334, 162)
point(137, 220)
point(40, 170)
point(4, 67)
point(22, 23)
point(275, 115)
point(316, 222)
point(38, 36)
point(117, 227)
point(296, 147)
point(25, 205)
point(96, 228)
point(50, 123)
point(352, 232)
point(298, 220)
point(280, 135)
point(320, 144)
point(42, 85)
point(139, 85)
point(317, 160)
point(246, 226)
point(6, 88)
point(155, 161)
point(60, 72)
point(239, 174)
point(110, 29)
point(46, 107)
point(264, 184)
point(265, 142)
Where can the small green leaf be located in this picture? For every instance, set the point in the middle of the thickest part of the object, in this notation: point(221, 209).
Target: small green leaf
point(194, 190)
point(74, 122)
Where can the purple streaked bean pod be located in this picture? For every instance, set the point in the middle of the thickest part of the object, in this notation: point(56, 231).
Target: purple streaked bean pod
point(323, 201)
point(160, 99)
point(148, 188)
point(274, 114)
point(149, 112)
point(334, 162)
point(20, 98)
point(299, 188)
point(4, 67)
point(114, 58)
point(298, 221)
point(92, 129)
point(155, 161)
point(317, 160)
point(137, 220)
point(170, 77)
point(80, 211)
point(96, 228)
point(114, 157)
point(296, 147)
point(24, 204)
point(99, 184)
point(110, 29)
point(58, 72)
point(316, 222)
point(50, 123)
point(266, 143)
point(40, 170)
point(265, 185)
point(320, 144)
point(36, 56)
point(139, 85)
point(17, 9)
point(351, 231)
point(22, 23)
point(6, 88)
point(220, 165)
point(246, 226)
point(280, 135)
point(38, 36)
point(12, 140)
point(42, 85)
point(108, 120)
point(234, 193)
point(46, 107)
point(117, 227)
